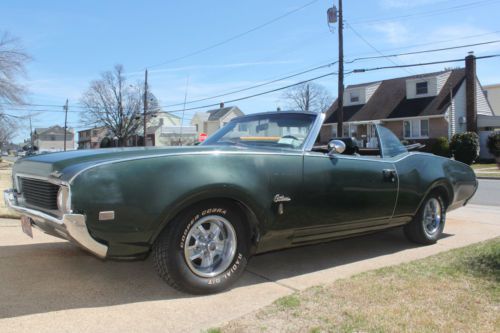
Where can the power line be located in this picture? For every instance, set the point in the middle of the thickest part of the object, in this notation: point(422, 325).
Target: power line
point(259, 94)
point(254, 86)
point(425, 51)
point(287, 77)
point(329, 65)
point(362, 70)
point(375, 49)
point(332, 73)
point(230, 39)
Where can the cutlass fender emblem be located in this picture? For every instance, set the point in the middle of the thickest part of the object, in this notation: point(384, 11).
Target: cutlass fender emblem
point(279, 199)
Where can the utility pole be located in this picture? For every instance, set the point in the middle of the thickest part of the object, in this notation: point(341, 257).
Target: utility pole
point(335, 16)
point(145, 104)
point(340, 98)
point(31, 133)
point(183, 110)
point(65, 122)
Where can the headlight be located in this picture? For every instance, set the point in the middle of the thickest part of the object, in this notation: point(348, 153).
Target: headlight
point(63, 200)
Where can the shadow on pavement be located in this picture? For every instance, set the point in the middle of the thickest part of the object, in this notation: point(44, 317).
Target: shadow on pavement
point(49, 277)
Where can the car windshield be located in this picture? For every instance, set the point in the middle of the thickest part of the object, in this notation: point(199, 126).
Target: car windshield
point(279, 130)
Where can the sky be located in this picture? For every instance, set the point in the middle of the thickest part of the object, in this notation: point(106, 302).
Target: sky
point(205, 48)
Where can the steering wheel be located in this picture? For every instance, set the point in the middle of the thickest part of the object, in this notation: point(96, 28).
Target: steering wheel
point(290, 137)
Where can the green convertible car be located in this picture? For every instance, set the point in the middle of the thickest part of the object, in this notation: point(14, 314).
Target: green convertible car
point(256, 185)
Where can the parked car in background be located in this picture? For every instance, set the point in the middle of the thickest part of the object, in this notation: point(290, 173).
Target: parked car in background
point(256, 185)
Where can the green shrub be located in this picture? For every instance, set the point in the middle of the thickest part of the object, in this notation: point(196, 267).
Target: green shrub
point(494, 144)
point(465, 147)
point(105, 143)
point(441, 147)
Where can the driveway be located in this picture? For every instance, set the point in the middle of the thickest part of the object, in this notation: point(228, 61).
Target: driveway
point(48, 285)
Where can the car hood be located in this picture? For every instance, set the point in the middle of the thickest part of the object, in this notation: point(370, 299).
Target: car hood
point(64, 165)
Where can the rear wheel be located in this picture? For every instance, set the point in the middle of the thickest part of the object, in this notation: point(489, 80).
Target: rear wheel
point(204, 250)
point(428, 223)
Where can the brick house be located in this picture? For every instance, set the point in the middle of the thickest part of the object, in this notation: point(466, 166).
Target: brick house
point(417, 108)
point(91, 138)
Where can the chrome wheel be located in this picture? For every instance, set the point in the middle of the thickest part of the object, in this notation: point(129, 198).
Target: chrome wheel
point(432, 216)
point(210, 246)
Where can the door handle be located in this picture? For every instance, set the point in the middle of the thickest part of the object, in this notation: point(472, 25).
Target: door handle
point(389, 175)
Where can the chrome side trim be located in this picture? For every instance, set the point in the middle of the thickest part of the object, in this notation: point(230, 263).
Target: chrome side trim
point(314, 132)
point(397, 190)
point(211, 152)
point(70, 226)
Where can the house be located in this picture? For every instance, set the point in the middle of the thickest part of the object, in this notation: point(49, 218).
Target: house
point(154, 125)
point(91, 138)
point(493, 95)
point(417, 108)
point(209, 122)
point(51, 139)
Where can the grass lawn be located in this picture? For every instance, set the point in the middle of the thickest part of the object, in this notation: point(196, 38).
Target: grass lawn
point(455, 291)
point(486, 170)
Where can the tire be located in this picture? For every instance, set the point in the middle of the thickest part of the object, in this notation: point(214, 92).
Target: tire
point(219, 260)
point(428, 224)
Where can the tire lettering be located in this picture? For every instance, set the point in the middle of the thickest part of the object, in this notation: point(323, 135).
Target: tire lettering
point(220, 211)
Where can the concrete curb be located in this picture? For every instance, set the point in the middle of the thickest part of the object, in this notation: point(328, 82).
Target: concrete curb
point(491, 178)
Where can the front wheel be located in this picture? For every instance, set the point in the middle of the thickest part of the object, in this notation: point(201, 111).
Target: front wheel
point(204, 250)
point(428, 223)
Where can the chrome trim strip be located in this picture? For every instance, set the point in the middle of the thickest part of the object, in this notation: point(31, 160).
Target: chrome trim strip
point(211, 152)
point(314, 132)
point(397, 191)
point(71, 226)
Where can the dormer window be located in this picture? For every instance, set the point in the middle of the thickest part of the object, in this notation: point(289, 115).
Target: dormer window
point(354, 96)
point(422, 88)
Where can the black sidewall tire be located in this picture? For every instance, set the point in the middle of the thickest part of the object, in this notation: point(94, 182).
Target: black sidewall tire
point(172, 264)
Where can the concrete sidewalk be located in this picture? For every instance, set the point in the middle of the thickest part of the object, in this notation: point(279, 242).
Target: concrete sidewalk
point(48, 285)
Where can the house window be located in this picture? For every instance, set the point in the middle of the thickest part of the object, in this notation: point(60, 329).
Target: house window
point(354, 96)
point(334, 131)
point(422, 88)
point(416, 128)
point(345, 130)
point(424, 127)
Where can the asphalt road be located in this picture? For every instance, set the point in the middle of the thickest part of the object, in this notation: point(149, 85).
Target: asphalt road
point(488, 193)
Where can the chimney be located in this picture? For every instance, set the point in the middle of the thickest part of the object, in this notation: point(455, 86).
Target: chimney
point(470, 92)
point(221, 105)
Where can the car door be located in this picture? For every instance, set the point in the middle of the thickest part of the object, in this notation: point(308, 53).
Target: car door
point(345, 194)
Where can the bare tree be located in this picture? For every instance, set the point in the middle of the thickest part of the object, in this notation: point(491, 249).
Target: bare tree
point(114, 103)
point(308, 97)
point(13, 60)
point(8, 127)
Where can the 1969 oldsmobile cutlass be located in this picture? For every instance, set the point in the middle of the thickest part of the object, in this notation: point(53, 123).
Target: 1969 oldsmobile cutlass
point(256, 185)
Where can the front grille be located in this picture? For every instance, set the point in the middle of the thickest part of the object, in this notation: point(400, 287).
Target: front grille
point(39, 193)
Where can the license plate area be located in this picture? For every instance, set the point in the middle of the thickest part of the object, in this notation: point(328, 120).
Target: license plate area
point(26, 226)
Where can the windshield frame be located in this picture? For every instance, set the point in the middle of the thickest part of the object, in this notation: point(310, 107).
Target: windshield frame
point(308, 143)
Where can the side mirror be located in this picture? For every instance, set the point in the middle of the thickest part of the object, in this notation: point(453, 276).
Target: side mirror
point(336, 147)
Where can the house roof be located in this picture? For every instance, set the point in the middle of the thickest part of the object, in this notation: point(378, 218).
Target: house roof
point(203, 116)
point(217, 114)
point(389, 100)
point(53, 129)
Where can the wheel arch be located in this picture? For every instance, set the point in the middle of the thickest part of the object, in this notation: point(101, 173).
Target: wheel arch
point(445, 190)
point(246, 208)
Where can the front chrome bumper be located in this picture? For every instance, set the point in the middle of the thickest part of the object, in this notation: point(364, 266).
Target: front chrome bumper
point(71, 226)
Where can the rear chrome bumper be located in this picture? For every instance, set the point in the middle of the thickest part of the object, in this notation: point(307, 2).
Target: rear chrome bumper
point(71, 226)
